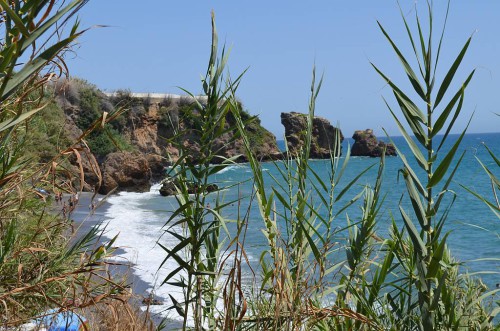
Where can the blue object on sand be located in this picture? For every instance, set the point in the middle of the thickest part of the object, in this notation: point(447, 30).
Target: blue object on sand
point(63, 321)
point(42, 191)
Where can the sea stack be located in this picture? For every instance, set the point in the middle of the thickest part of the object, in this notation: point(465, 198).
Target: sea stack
point(366, 144)
point(324, 135)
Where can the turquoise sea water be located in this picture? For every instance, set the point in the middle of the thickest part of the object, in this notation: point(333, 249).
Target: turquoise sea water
point(139, 217)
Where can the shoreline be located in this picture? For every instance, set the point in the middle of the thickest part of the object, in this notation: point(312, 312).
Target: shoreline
point(83, 219)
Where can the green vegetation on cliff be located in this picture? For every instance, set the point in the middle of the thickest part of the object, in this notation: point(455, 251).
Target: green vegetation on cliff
point(90, 105)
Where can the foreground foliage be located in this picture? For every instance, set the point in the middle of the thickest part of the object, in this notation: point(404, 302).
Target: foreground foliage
point(41, 266)
point(314, 273)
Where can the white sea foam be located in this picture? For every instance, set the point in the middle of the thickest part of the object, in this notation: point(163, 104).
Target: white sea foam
point(139, 229)
point(139, 220)
point(231, 168)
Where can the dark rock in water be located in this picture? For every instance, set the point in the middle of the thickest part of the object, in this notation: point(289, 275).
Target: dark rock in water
point(126, 171)
point(169, 187)
point(324, 135)
point(366, 144)
point(151, 301)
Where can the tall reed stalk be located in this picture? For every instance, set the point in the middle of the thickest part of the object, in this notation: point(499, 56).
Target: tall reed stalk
point(301, 215)
point(428, 268)
point(204, 233)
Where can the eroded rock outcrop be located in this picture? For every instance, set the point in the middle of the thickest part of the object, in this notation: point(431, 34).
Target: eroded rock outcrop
point(366, 144)
point(125, 171)
point(324, 135)
point(152, 127)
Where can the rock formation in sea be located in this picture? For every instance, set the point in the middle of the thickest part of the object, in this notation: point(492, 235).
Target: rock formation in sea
point(324, 135)
point(366, 144)
point(169, 187)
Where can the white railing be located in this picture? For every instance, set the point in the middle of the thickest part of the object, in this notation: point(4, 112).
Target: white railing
point(160, 96)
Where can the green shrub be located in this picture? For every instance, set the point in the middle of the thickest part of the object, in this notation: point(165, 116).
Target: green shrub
point(167, 102)
point(106, 141)
point(47, 136)
point(90, 107)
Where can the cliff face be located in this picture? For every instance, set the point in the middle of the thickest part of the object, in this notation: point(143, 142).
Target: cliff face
point(144, 136)
point(324, 135)
point(366, 144)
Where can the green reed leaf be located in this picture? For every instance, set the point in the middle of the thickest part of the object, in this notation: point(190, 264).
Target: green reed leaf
point(178, 307)
point(494, 208)
point(418, 114)
point(409, 71)
point(438, 291)
point(425, 52)
point(446, 112)
point(348, 204)
point(11, 122)
point(7, 53)
point(352, 182)
point(15, 18)
point(442, 37)
point(415, 178)
point(319, 180)
point(493, 156)
point(40, 30)
point(320, 192)
point(445, 163)
point(7, 241)
point(379, 278)
point(450, 126)
point(437, 258)
point(429, 43)
point(178, 259)
point(32, 67)
point(451, 73)
point(448, 182)
point(344, 164)
point(410, 36)
point(413, 233)
point(414, 148)
point(415, 127)
point(213, 51)
point(482, 298)
point(416, 202)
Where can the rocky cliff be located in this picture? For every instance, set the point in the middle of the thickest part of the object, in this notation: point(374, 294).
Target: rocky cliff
point(324, 135)
point(366, 144)
point(136, 147)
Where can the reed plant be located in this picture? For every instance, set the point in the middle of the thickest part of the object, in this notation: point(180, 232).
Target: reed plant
point(494, 203)
point(200, 228)
point(429, 290)
point(324, 266)
point(300, 217)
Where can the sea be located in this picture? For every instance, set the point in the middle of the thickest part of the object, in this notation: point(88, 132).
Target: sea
point(140, 219)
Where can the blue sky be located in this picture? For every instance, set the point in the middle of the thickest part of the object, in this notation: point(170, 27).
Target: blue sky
point(157, 45)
